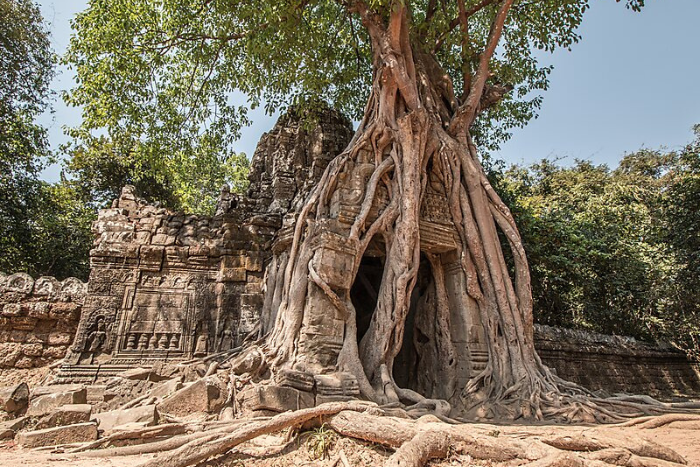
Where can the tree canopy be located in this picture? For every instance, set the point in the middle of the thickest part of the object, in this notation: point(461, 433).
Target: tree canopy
point(165, 73)
point(613, 250)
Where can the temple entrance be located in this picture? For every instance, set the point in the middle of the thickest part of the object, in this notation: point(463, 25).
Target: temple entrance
point(406, 364)
point(364, 291)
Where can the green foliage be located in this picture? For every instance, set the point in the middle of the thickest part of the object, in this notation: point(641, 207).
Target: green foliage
point(681, 229)
point(320, 441)
point(613, 251)
point(100, 167)
point(44, 229)
point(162, 75)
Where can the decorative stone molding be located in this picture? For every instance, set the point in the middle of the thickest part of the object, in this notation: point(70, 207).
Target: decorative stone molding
point(38, 318)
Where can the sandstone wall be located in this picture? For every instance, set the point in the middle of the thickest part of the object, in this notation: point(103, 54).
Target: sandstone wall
point(166, 285)
point(617, 364)
point(38, 318)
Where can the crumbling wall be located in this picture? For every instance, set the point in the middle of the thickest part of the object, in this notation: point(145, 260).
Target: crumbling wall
point(617, 364)
point(38, 318)
point(166, 285)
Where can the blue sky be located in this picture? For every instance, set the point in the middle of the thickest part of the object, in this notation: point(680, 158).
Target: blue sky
point(632, 82)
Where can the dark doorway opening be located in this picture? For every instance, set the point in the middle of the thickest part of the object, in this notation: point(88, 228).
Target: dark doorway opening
point(364, 291)
point(406, 363)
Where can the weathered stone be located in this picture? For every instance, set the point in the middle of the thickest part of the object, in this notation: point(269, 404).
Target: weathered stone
point(11, 309)
point(275, 398)
point(44, 404)
point(10, 427)
point(66, 415)
point(337, 384)
point(295, 379)
point(79, 433)
point(136, 373)
point(205, 395)
point(32, 314)
point(32, 350)
point(24, 362)
point(108, 421)
point(47, 285)
point(167, 388)
point(19, 283)
point(14, 399)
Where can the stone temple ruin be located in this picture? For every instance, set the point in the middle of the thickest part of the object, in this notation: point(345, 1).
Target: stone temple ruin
point(167, 287)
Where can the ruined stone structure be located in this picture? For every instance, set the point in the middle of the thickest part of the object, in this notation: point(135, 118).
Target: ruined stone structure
point(617, 364)
point(169, 286)
point(38, 318)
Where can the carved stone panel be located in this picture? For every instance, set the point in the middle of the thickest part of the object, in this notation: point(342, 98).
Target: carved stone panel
point(154, 322)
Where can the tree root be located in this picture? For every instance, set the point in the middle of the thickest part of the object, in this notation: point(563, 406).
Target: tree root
point(657, 422)
point(415, 442)
point(639, 447)
point(170, 429)
point(201, 449)
point(420, 449)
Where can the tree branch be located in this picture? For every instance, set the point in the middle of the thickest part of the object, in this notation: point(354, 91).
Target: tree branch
point(455, 22)
point(466, 113)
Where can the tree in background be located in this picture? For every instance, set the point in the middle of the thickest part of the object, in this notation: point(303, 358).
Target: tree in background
point(681, 204)
point(43, 230)
point(99, 167)
point(612, 251)
point(26, 69)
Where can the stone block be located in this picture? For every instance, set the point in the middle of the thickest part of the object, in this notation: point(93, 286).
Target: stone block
point(232, 275)
point(32, 350)
point(59, 338)
point(73, 289)
point(79, 433)
point(47, 403)
point(19, 283)
point(166, 388)
point(337, 384)
point(151, 258)
point(295, 379)
point(54, 352)
point(9, 353)
point(24, 323)
point(146, 415)
point(38, 309)
point(253, 262)
point(46, 286)
point(24, 362)
point(14, 398)
point(10, 427)
point(276, 399)
point(136, 373)
point(144, 238)
point(334, 267)
point(11, 310)
point(163, 239)
point(69, 414)
point(205, 395)
point(254, 300)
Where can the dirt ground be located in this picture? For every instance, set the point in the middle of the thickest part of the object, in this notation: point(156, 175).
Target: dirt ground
point(307, 448)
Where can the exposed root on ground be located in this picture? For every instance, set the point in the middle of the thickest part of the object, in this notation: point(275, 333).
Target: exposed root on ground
point(417, 441)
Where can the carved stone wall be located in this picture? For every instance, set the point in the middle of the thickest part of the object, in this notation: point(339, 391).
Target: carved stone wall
point(617, 364)
point(38, 318)
point(166, 285)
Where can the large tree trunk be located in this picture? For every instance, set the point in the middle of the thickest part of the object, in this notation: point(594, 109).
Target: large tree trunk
point(405, 147)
